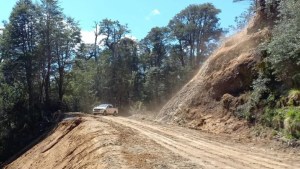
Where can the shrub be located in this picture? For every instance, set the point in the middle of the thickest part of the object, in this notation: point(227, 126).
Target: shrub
point(255, 100)
point(292, 122)
point(293, 97)
point(273, 118)
point(245, 111)
point(278, 119)
point(283, 48)
point(285, 119)
point(267, 117)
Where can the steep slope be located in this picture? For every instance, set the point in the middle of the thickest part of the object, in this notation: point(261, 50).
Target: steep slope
point(207, 102)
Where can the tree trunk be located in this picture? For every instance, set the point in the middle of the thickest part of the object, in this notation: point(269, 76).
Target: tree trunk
point(47, 81)
point(95, 43)
point(29, 84)
point(60, 84)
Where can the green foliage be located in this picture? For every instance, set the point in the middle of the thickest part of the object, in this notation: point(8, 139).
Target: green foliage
point(285, 119)
point(261, 91)
point(15, 120)
point(284, 48)
point(37, 46)
point(79, 94)
point(292, 122)
point(244, 111)
point(113, 31)
point(293, 98)
point(273, 118)
point(279, 72)
point(196, 28)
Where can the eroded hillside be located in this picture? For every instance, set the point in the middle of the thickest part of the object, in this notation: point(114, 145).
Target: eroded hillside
point(208, 101)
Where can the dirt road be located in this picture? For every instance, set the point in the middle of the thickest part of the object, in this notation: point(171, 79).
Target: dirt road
point(118, 142)
point(207, 153)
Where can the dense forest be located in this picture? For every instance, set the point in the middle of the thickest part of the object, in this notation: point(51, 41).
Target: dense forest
point(46, 67)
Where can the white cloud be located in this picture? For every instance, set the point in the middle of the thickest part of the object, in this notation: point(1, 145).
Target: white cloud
point(89, 37)
point(131, 37)
point(1, 30)
point(153, 13)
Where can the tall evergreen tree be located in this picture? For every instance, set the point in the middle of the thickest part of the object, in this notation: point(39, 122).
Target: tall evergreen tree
point(65, 40)
point(195, 28)
point(154, 54)
point(52, 16)
point(19, 64)
point(21, 45)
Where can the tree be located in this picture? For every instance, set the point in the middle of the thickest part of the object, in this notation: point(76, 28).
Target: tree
point(65, 40)
point(116, 65)
point(37, 49)
point(52, 16)
point(284, 48)
point(21, 38)
point(195, 28)
point(80, 94)
point(19, 112)
point(156, 43)
point(126, 81)
point(113, 32)
point(154, 50)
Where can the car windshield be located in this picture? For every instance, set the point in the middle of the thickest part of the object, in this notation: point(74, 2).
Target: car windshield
point(103, 105)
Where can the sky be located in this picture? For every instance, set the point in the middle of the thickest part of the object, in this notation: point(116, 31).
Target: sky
point(140, 15)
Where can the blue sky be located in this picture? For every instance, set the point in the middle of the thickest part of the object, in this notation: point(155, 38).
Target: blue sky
point(140, 15)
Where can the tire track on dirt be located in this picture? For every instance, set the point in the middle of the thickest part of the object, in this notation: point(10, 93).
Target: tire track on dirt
point(205, 152)
point(253, 158)
point(190, 152)
point(149, 154)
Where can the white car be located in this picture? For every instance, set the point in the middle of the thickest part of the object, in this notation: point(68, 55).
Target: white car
point(105, 109)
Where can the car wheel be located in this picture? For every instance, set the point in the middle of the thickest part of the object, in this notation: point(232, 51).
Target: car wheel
point(115, 113)
point(104, 113)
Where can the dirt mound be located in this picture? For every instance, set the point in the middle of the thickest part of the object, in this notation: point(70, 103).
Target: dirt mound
point(74, 135)
point(97, 142)
point(207, 101)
